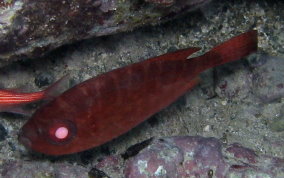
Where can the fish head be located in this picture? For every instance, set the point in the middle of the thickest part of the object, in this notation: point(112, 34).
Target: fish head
point(55, 137)
point(56, 132)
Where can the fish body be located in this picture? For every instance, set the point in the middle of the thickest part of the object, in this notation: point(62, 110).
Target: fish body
point(104, 107)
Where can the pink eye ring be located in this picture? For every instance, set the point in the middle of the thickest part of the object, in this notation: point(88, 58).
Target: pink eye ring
point(61, 132)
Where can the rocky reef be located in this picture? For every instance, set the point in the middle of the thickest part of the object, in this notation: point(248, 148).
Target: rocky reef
point(181, 156)
point(30, 28)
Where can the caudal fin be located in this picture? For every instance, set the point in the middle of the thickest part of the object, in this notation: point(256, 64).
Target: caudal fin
point(231, 50)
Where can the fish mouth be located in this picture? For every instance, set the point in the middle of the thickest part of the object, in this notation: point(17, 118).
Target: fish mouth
point(24, 140)
point(27, 135)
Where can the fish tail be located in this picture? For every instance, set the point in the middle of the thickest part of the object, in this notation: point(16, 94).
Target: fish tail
point(56, 88)
point(229, 51)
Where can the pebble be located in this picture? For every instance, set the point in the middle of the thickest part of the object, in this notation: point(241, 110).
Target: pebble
point(44, 79)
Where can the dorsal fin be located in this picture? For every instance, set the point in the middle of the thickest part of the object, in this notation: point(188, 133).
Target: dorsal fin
point(177, 55)
point(228, 51)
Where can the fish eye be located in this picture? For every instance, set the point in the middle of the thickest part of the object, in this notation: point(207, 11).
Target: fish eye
point(61, 132)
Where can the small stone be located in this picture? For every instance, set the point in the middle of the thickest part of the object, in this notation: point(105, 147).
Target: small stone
point(207, 128)
point(95, 173)
point(224, 102)
point(43, 79)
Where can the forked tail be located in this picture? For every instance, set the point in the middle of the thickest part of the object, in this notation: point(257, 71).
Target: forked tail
point(231, 50)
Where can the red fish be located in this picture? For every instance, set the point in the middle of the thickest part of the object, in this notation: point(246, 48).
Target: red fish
point(13, 100)
point(102, 108)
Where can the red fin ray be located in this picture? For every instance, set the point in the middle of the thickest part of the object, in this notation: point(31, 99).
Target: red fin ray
point(12, 101)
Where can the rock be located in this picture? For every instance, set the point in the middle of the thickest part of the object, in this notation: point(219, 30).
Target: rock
point(30, 28)
point(95, 173)
point(195, 156)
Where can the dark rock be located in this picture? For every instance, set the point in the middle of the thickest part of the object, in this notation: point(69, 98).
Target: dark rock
point(87, 156)
point(106, 150)
point(29, 29)
point(95, 173)
point(3, 132)
point(43, 79)
point(153, 120)
point(135, 149)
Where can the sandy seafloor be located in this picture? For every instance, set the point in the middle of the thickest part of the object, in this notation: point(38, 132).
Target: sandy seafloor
point(234, 115)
